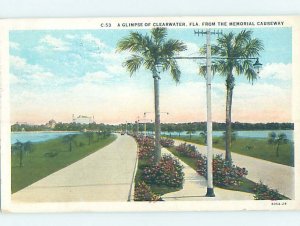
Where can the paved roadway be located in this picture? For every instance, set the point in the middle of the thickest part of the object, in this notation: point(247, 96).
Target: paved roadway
point(105, 175)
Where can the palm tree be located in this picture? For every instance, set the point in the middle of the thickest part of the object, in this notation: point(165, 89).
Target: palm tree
point(190, 132)
point(23, 148)
point(234, 51)
point(90, 136)
point(153, 52)
point(203, 134)
point(69, 139)
point(277, 140)
point(99, 134)
point(28, 146)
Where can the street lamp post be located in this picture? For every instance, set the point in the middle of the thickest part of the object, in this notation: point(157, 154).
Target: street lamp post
point(257, 65)
point(210, 186)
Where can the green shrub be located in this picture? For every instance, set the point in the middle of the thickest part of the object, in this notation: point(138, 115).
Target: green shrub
point(263, 192)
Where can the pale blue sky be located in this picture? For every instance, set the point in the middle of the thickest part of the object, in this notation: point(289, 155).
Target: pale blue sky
point(57, 73)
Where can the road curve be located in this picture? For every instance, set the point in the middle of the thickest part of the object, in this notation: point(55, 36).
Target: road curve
point(105, 175)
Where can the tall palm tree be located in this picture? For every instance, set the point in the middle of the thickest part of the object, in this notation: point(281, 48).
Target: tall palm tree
point(90, 136)
point(153, 52)
point(277, 140)
point(23, 148)
point(234, 51)
point(69, 139)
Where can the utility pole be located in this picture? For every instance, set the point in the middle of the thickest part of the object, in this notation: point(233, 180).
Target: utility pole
point(210, 186)
point(137, 125)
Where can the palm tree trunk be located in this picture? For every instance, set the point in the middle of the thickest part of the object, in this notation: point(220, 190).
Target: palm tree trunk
point(277, 150)
point(229, 92)
point(157, 119)
point(21, 156)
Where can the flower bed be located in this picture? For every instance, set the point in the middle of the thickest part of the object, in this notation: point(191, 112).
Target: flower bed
point(263, 192)
point(166, 142)
point(168, 172)
point(146, 148)
point(224, 172)
point(188, 150)
point(143, 193)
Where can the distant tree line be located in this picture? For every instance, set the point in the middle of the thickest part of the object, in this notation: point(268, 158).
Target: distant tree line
point(63, 127)
point(201, 126)
point(165, 127)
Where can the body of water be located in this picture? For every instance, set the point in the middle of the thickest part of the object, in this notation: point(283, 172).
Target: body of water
point(245, 134)
point(37, 136)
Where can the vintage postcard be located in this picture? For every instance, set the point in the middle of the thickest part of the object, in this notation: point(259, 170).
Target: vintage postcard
point(150, 114)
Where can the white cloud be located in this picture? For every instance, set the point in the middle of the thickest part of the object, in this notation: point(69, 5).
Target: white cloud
point(70, 36)
point(190, 66)
point(278, 71)
point(14, 45)
point(192, 49)
point(260, 100)
point(13, 79)
point(42, 75)
point(55, 43)
point(90, 39)
point(115, 69)
point(97, 76)
point(20, 64)
point(23, 71)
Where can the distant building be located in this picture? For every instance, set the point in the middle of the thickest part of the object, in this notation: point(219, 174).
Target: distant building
point(22, 123)
point(51, 124)
point(81, 119)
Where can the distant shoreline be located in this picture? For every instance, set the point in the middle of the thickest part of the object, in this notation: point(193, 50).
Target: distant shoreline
point(43, 131)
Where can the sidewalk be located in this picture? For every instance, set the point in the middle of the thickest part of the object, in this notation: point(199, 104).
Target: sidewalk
point(105, 175)
point(194, 188)
point(276, 176)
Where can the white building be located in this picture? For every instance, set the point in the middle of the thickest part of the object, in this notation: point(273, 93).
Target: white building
point(81, 119)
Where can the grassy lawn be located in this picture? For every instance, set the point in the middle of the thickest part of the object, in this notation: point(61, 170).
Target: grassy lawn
point(50, 156)
point(245, 186)
point(159, 190)
point(257, 148)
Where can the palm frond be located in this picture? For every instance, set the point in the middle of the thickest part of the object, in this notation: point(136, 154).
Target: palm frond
point(133, 63)
point(174, 70)
point(159, 34)
point(172, 47)
point(135, 42)
point(202, 70)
